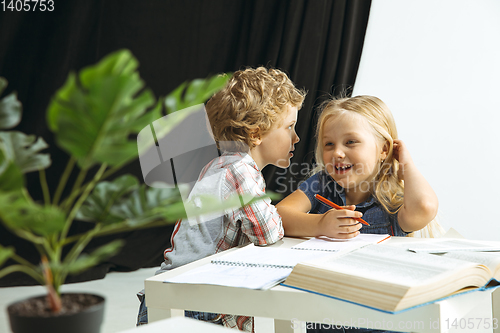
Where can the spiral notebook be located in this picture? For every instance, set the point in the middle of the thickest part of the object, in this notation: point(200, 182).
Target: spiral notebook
point(253, 267)
point(262, 267)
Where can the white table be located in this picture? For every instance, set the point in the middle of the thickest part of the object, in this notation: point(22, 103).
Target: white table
point(291, 308)
point(179, 325)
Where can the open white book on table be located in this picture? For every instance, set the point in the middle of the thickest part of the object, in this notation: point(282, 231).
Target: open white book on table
point(262, 267)
point(393, 279)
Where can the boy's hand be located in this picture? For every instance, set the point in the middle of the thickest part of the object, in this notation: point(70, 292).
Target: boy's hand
point(337, 223)
point(402, 155)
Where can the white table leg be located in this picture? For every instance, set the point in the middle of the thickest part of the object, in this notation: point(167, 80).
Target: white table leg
point(155, 314)
point(287, 326)
point(471, 312)
point(495, 298)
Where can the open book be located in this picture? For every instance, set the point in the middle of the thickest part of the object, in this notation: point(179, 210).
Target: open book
point(392, 279)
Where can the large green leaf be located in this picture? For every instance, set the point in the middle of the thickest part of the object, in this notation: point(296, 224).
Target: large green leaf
point(10, 108)
point(23, 150)
point(124, 202)
point(17, 212)
point(86, 261)
point(149, 204)
point(94, 113)
point(5, 254)
point(11, 178)
point(97, 207)
point(188, 97)
point(194, 92)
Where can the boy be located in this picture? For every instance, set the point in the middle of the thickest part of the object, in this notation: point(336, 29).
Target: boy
point(253, 121)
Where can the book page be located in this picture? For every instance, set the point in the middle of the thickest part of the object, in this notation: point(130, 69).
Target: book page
point(324, 243)
point(391, 264)
point(448, 245)
point(489, 259)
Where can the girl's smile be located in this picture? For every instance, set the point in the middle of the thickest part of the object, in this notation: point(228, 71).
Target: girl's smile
point(341, 168)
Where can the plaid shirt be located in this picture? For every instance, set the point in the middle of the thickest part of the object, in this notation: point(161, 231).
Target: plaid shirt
point(258, 223)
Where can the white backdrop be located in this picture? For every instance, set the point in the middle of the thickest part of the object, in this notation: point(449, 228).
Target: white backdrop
point(436, 63)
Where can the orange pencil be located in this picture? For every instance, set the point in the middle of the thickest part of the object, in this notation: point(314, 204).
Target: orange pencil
point(333, 205)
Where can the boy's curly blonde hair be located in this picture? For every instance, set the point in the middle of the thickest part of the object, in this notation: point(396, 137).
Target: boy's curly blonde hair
point(250, 104)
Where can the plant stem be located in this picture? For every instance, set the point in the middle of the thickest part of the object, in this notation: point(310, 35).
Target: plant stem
point(112, 171)
point(23, 261)
point(45, 187)
point(63, 180)
point(21, 268)
point(80, 201)
point(28, 236)
point(73, 255)
point(104, 176)
point(75, 190)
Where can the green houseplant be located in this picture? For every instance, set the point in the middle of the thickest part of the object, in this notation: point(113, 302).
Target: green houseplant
point(92, 117)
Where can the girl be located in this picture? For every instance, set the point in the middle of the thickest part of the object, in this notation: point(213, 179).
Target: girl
point(362, 166)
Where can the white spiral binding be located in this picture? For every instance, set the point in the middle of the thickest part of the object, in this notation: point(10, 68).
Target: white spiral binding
point(247, 264)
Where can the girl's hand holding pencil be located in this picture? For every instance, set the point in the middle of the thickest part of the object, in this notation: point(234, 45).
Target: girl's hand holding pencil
point(340, 222)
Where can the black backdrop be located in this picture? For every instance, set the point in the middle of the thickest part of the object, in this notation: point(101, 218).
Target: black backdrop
point(318, 43)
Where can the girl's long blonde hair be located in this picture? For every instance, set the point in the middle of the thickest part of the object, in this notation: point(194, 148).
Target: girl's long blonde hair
point(387, 188)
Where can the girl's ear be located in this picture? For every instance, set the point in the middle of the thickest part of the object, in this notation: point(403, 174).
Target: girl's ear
point(385, 151)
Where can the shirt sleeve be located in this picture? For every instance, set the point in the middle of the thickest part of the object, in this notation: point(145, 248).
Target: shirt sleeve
point(260, 221)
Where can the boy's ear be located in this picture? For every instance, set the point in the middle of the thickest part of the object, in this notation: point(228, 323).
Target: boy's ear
point(256, 137)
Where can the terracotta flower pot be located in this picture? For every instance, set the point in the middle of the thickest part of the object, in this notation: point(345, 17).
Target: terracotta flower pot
point(81, 313)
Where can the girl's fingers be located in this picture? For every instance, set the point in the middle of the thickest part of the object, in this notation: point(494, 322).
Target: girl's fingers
point(350, 223)
point(347, 235)
point(350, 228)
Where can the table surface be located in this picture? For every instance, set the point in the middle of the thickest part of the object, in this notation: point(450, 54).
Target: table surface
point(290, 308)
point(179, 325)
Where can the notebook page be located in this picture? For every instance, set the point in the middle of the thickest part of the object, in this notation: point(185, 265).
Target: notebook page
point(333, 245)
point(233, 276)
point(254, 267)
point(265, 255)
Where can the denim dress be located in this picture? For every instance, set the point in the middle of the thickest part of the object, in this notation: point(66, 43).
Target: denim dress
point(380, 222)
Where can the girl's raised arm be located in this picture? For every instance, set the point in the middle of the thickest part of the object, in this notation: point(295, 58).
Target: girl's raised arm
point(420, 203)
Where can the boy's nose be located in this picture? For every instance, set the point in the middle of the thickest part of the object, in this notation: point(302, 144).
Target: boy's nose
point(295, 138)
